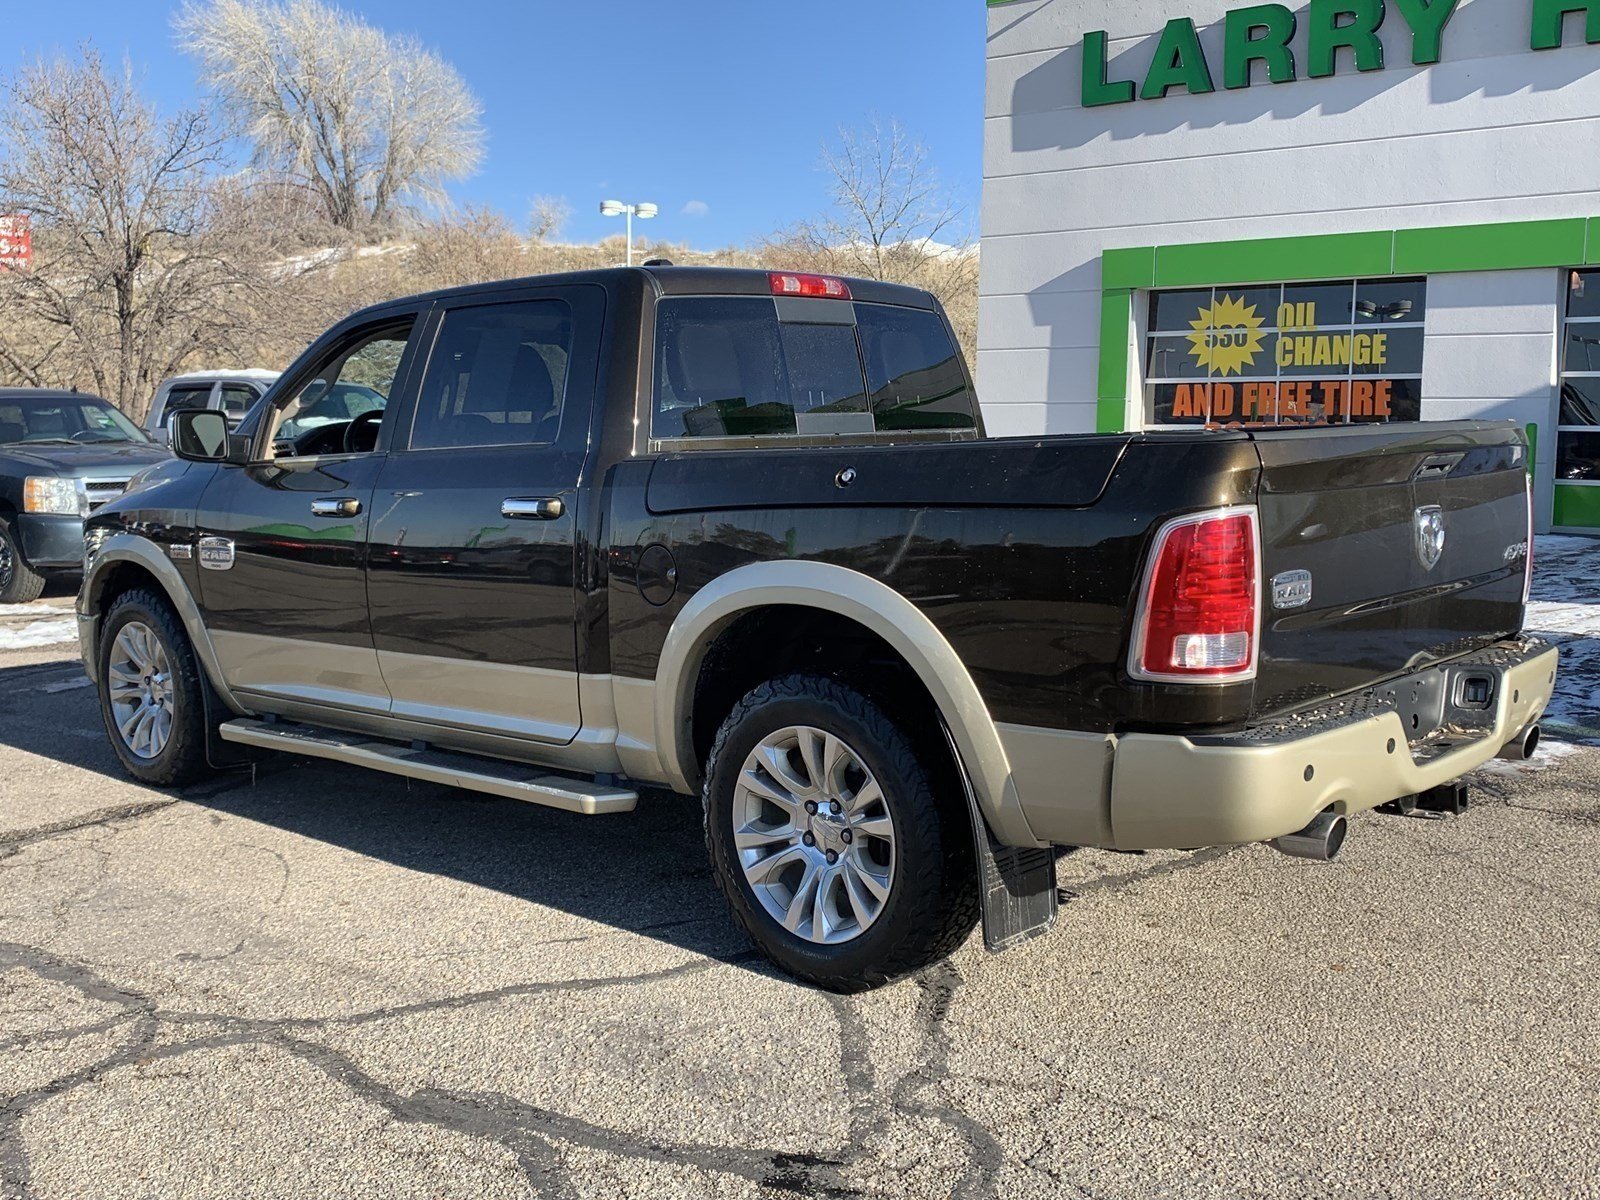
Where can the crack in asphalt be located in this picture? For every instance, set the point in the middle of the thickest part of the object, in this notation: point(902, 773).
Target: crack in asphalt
point(534, 1135)
point(13, 841)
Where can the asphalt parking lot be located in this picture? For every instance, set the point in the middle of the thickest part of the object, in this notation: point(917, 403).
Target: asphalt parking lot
point(314, 981)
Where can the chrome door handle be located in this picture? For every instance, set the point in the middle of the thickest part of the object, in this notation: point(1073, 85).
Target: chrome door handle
point(341, 506)
point(519, 509)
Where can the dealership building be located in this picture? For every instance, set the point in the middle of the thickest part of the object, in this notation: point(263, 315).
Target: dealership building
point(1200, 212)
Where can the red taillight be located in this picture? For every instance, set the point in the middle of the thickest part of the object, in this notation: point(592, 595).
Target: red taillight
point(1197, 619)
point(785, 283)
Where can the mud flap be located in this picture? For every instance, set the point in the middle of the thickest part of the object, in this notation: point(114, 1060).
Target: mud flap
point(1017, 884)
point(221, 755)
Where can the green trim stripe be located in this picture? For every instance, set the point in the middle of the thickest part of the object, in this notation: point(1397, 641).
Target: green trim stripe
point(1576, 506)
point(1510, 247)
point(1128, 268)
point(1276, 260)
point(1116, 312)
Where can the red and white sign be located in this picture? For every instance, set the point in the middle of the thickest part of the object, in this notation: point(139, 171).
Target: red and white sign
point(16, 242)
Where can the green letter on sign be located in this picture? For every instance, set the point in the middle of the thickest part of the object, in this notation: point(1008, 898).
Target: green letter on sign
point(1427, 19)
point(1096, 89)
point(1331, 31)
point(1179, 62)
point(1276, 25)
point(1549, 16)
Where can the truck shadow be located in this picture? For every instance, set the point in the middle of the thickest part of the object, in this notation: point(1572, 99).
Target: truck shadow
point(643, 872)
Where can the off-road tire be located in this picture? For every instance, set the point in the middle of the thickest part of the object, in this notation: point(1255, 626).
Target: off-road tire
point(19, 584)
point(934, 903)
point(183, 760)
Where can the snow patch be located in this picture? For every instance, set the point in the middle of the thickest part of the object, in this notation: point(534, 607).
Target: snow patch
point(33, 610)
point(1565, 607)
point(38, 633)
point(1546, 756)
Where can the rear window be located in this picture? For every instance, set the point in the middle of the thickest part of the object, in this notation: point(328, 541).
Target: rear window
point(727, 367)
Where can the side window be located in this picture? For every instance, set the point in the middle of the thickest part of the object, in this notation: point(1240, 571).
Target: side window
point(237, 399)
point(181, 398)
point(727, 367)
point(914, 374)
point(497, 377)
point(340, 409)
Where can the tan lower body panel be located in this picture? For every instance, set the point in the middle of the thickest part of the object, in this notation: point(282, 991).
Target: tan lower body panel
point(1064, 779)
point(312, 672)
point(522, 702)
point(1171, 793)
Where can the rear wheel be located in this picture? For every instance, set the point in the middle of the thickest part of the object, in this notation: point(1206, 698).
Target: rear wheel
point(152, 695)
point(19, 583)
point(839, 855)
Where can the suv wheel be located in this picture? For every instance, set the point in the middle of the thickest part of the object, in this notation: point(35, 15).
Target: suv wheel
point(19, 583)
point(839, 856)
point(151, 692)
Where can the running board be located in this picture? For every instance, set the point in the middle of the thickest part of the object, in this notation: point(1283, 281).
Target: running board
point(515, 781)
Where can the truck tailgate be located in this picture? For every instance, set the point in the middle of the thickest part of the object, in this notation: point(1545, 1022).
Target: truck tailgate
point(1359, 510)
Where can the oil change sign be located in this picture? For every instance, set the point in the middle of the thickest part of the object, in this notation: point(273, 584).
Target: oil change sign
point(1333, 36)
point(1238, 363)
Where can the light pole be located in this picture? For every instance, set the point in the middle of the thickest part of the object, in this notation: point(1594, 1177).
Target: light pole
point(616, 208)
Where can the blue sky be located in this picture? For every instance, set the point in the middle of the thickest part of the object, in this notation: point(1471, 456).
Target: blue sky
point(721, 102)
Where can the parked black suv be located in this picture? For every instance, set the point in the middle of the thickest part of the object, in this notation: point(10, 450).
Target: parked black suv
point(740, 535)
point(62, 455)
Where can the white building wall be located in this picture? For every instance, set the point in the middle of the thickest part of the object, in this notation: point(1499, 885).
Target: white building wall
point(1495, 132)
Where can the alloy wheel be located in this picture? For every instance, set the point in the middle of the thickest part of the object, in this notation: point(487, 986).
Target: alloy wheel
point(141, 688)
point(814, 835)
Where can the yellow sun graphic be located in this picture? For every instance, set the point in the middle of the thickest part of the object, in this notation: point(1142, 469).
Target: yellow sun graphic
point(1226, 336)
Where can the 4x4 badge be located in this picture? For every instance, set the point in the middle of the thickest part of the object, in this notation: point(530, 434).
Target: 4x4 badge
point(1292, 589)
point(216, 554)
point(1430, 535)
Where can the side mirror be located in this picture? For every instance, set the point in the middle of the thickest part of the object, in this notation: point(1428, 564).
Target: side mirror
point(200, 435)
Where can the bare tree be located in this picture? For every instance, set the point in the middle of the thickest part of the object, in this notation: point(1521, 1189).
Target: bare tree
point(361, 118)
point(131, 273)
point(889, 212)
point(547, 217)
point(891, 219)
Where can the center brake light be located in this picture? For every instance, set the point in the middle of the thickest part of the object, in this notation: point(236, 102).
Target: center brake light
point(823, 287)
point(1199, 615)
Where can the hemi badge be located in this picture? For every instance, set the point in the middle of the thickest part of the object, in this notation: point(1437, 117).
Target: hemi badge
point(1292, 589)
point(216, 554)
point(180, 550)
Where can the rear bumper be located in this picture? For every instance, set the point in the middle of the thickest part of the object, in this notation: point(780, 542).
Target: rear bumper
point(1171, 792)
point(51, 542)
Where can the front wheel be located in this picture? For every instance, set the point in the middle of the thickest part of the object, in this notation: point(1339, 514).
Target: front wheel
point(19, 583)
point(152, 695)
point(841, 857)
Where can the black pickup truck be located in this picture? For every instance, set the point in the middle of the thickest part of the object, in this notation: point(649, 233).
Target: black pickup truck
point(740, 535)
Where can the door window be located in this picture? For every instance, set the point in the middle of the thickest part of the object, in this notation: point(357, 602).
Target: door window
point(237, 399)
point(497, 377)
point(180, 399)
point(342, 407)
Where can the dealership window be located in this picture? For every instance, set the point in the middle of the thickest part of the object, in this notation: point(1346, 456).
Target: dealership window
point(1578, 439)
point(1343, 352)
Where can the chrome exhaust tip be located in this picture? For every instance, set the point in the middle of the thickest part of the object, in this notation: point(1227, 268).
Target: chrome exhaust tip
point(1320, 841)
point(1521, 747)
